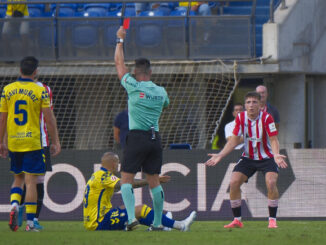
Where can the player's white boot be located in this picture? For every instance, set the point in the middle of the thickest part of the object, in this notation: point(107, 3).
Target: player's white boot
point(188, 221)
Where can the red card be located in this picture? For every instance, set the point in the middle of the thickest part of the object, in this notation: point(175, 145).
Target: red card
point(126, 23)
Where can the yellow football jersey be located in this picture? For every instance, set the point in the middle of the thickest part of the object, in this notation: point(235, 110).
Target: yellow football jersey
point(185, 4)
point(17, 7)
point(97, 197)
point(23, 100)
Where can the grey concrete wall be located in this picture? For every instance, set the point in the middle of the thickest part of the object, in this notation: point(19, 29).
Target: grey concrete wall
point(297, 39)
point(289, 98)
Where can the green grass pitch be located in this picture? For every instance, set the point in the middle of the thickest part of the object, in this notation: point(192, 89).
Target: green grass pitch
point(202, 233)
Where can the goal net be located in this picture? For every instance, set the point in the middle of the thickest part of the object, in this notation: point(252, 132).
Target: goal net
point(88, 96)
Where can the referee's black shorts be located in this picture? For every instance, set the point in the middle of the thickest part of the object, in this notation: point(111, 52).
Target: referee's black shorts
point(142, 153)
point(249, 167)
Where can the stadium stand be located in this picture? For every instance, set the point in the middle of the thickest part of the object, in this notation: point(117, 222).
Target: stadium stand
point(152, 38)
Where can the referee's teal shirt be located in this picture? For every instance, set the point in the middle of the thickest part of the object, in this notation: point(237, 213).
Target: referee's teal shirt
point(146, 101)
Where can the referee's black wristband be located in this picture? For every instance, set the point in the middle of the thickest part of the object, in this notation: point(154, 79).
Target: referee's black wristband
point(119, 40)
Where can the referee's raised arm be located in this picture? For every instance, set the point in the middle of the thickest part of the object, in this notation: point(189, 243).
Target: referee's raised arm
point(118, 55)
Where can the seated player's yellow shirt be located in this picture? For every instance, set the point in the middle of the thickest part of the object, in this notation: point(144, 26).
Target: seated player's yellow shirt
point(23, 8)
point(23, 100)
point(185, 4)
point(97, 197)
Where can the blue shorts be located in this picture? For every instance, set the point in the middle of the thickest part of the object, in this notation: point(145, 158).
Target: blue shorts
point(31, 162)
point(115, 219)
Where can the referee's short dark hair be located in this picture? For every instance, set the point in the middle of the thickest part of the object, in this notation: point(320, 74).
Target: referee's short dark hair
point(143, 65)
point(28, 65)
point(253, 94)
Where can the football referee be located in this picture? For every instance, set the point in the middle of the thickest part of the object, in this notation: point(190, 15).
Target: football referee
point(143, 150)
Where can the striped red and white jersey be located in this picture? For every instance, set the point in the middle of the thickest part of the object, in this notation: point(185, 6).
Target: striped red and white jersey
point(44, 131)
point(256, 134)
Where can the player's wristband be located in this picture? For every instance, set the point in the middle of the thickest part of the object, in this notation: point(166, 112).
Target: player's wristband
point(119, 40)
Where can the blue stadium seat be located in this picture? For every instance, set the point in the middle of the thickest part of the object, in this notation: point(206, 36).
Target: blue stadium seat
point(184, 146)
point(35, 12)
point(96, 11)
point(264, 2)
point(97, 5)
point(149, 33)
point(151, 13)
point(247, 3)
point(165, 9)
point(67, 12)
point(2, 11)
point(261, 19)
point(182, 12)
point(129, 12)
point(245, 10)
point(262, 10)
point(85, 35)
point(115, 7)
point(74, 6)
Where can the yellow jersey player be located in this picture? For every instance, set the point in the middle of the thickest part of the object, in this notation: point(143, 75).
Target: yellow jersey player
point(98, 211)
point(21, 105)
point(15, 23)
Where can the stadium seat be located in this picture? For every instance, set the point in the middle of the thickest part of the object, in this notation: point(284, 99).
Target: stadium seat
point(151, 13)
point(96, 12)
point(115, 7)
point(129, 12)
point(66, 12)
point(35, 12)
point(182, 12)
point(149, 34)
point(165, 9)
point(245, 10)
point(184, 146)
point(97, 5)
point(262, 10)
point(84, 35)
point(247, 3)
point(261, 19)
point(74, 6)
point(263, 2)
point(2, 11)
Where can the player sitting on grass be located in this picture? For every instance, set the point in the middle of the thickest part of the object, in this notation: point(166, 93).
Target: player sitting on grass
point(98, 211)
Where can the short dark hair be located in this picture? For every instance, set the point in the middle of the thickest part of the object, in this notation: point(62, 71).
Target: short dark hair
point(237, 104)
point(253, 94)
point(142, 65)
point(28, 65)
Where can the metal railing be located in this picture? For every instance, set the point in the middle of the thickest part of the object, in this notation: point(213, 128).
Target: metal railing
point(272, 7)
point(200, 37)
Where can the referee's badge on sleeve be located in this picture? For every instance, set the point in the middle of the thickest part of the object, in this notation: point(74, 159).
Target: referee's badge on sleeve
point(272, 127)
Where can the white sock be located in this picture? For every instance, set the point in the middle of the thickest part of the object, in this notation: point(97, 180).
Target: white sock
point(35, 219)
point(238, 218)
point(178, 225)
point(30, 223)
point(271, 218)
point(15, 205)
